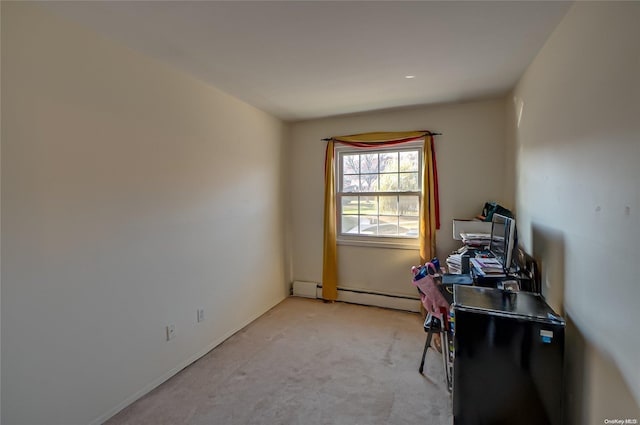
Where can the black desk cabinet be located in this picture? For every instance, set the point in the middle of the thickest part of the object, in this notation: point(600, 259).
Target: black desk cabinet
point(508, 359)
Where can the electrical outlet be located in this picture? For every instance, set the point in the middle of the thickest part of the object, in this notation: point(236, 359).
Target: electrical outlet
point(200, 316)
point(171, 332)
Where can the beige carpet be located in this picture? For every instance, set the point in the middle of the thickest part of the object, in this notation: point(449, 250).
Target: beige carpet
point(306, 362)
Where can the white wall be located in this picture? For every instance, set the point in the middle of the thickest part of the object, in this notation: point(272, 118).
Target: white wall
point(577, 148)
point(470, 154)
point(132, 195)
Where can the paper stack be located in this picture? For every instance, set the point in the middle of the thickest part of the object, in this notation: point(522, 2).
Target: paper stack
point(476, 240)
point(487, 267)
point(454, 263)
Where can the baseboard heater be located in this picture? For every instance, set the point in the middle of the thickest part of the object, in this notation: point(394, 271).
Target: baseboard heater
point(359, 296)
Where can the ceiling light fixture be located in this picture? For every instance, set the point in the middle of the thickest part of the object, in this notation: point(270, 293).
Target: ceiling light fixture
point(408, 77)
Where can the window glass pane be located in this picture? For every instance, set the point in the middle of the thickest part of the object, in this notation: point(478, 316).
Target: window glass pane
point(369, 205)
point(409, 182)
point(351, 184)
point(389, 205)
point(368, 225)
point(349, 205)
point(389, 162)
point(379, 171)
point(388, 182)
point(350, 224)
point(388, 226)
point(409, 161)
point(369, 182)
point(369, 163)
point(351, 164)
point(409, 205)
point(409, 227)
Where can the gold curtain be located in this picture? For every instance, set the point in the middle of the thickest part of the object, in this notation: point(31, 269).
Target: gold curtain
point(428, 212)
point(429, 220)
point(330, 254)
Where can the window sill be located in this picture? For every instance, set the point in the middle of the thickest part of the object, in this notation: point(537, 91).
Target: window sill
point(377, 243)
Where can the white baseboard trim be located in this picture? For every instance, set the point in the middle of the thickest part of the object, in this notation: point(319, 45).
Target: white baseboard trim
point(165, 377)
point(377, 299)
point(360, 296)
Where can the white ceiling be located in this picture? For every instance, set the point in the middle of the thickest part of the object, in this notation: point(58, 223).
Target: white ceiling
point(308, 59)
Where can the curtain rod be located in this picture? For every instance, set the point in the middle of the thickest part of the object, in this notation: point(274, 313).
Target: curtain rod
point(329, 138)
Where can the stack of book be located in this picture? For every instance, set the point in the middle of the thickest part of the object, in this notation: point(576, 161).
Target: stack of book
point(454, 263)
point(490, 267)
point(476, 240)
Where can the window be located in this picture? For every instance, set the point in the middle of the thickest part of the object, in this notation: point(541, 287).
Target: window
point(378, 194)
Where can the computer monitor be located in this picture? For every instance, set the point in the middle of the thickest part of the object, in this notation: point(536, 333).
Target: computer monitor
point(503, 233)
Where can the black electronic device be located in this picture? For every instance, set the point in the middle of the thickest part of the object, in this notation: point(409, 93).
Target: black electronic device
point(503, 240)
point(508, 360)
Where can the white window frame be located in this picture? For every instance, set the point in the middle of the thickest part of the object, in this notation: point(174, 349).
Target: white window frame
point(400, 242)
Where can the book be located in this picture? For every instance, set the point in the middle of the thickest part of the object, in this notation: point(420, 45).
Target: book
point(487, 267)
point(476, 239)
